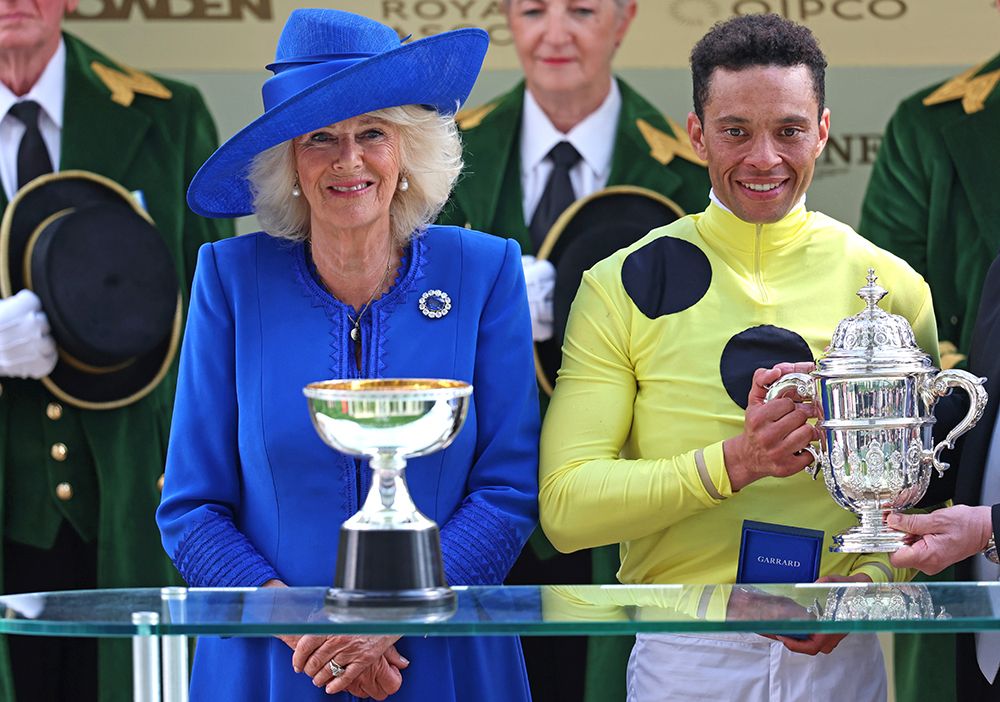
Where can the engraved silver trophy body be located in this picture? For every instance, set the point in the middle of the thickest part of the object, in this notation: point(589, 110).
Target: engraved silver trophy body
point(877, 392)
point(389, 559)
point(879, 602)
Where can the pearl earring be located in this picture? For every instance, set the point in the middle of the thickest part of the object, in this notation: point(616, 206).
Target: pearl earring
point(296, 190)
point(404, 184)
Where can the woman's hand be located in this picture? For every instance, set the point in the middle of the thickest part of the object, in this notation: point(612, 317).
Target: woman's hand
point(377, 678)
point(382, 679)
point(355, 654)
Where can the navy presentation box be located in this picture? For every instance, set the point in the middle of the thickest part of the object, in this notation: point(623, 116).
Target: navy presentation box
point(775, 553)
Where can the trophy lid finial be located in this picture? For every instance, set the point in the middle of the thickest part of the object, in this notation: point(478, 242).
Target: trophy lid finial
point(873, 292)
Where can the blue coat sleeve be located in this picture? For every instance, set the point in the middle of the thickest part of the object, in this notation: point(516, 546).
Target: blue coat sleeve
point(484, 536)
point(201, 490)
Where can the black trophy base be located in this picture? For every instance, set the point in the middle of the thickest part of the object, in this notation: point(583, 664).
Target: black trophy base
point(430, 605)
point(390, 574)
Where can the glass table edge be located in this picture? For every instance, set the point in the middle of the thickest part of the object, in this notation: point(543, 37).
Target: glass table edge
point(86, 630)
point(499, 627)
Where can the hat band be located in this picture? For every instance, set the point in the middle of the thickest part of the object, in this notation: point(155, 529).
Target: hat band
point(72, 360)
point(292, 81)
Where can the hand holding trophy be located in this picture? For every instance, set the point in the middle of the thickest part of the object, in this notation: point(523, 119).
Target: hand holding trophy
point(389, 559)
point(877, 392)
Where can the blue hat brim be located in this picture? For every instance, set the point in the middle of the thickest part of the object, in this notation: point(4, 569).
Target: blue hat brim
point(438, 72)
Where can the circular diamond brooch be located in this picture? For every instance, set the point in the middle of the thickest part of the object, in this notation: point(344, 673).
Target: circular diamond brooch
point(434, 304)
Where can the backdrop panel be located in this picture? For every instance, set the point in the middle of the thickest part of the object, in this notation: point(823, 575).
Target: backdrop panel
point(879, 52)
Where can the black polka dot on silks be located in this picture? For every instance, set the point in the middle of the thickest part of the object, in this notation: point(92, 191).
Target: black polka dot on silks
point(758, 347)
point(666, 276)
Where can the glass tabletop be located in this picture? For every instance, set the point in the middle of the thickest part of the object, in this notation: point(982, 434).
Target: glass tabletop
point(545, 610)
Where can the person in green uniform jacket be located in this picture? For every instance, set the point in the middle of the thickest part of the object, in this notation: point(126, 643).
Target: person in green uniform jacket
point(932, 195)
point(79, 487)
point(932, 200)
point(568, 94)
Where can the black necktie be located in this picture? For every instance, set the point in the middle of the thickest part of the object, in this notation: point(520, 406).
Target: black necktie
point(558, 194)
point(32, 156)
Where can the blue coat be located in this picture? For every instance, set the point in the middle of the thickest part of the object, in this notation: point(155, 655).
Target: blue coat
point(252, 493)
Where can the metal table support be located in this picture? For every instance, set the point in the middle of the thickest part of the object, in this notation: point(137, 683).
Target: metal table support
point(150, 669)
point(146, 658)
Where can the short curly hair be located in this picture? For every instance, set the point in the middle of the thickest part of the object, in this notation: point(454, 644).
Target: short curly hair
point(755, 40)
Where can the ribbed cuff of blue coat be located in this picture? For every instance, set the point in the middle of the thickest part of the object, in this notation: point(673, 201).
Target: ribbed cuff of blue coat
point(216, 554)
point(479, 546)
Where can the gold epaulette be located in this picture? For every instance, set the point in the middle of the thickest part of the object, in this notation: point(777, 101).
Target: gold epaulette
point(469, 119)
point(950, 357)
point(664, 147)
point(124, 86)
point(967, 86)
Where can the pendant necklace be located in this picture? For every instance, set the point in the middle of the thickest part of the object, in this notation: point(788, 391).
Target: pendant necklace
point(356, 322)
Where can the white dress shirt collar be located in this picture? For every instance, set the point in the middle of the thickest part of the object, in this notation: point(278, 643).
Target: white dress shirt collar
point(49, 92)
point(593, 138)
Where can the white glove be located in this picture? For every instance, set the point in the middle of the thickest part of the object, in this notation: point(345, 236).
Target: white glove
point(26, 347)
point(540, 279)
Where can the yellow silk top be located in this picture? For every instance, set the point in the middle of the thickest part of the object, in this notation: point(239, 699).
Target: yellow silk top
point(656, 335)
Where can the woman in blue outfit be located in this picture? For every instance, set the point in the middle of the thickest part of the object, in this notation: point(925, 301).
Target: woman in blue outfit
point(355, 153)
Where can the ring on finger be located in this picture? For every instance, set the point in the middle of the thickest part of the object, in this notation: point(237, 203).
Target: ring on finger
point(336, 670)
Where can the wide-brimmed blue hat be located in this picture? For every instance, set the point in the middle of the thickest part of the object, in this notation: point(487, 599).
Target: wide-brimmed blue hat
point(330, 66)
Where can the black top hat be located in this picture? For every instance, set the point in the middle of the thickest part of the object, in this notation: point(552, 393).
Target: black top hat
point(106, 280)
point(588, 231)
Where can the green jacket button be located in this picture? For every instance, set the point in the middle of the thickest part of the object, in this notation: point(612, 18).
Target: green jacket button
point(64, 491)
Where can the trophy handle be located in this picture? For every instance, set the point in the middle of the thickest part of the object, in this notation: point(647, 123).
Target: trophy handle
point(942, 385)
point(805, 388)
point(814, 467)
point(801, 382)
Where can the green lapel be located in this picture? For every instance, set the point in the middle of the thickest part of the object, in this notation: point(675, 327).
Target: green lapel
point(106, 150)
point(974, 145)
point(973, 142)
point(491, 155)
point(508, 219)
point(631, 163)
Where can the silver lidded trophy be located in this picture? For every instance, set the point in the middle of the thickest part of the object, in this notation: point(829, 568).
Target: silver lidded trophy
point(877, 392)
point(389, 559)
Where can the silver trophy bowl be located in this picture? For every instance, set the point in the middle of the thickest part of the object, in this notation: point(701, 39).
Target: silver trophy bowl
point(389, 559)
point(877, 390)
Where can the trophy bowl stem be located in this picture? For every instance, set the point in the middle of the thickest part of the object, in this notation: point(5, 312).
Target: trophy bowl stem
point(870, 536)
